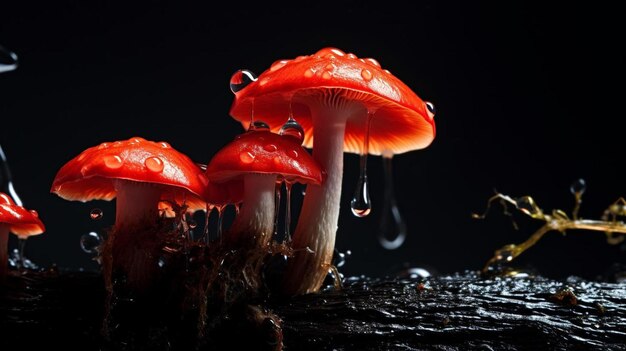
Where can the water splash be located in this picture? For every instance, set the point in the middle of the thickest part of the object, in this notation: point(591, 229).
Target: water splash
point(392, 230)
point(361, 205)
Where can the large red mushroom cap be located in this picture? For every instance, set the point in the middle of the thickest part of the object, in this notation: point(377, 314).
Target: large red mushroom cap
point(264, 152)
point(20, 221)
point(91, 174)
point(402, 121)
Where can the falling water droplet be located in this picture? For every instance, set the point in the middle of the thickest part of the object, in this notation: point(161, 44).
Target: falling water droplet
point(90, 243)
point(339, 258)
point(392, 228)
point(6, 181)
point(241, 79)
point(287, 236)
point(578, 187)
point(96, 214)
point(8, 60)
point(259, 125)
point(292, 129)
point(361, 205)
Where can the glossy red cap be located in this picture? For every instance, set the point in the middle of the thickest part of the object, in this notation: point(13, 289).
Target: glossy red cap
point(402, 121)
point(91, 174)
point(21, 221)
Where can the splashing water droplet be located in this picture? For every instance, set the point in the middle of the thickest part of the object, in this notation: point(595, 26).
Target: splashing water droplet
point(292, 129)
point(90, 243)
point(339, 258)
point(259, 125)
point(241, 79)
point(96, 214)
point(8, 60)
point(578, 187)
point(361, 205)
point(392, 228)
point(527, 205)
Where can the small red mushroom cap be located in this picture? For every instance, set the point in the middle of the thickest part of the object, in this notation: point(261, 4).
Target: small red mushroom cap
point(91, 174)
point(266, 153)
point(402, 121)
point(21, 221)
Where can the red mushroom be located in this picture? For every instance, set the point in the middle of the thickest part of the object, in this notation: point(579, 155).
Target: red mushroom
point(333, 95)
point(261, 158)
point(17, 220)
point(139, 174)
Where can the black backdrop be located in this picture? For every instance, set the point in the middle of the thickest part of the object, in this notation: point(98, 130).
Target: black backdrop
point(528, 99)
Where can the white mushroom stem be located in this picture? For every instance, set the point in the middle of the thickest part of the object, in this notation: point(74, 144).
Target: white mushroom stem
point(317, 224)
point(136, 203)
point(255, 221)
point(4, 247)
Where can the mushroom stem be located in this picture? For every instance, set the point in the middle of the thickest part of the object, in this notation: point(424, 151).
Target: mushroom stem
point(136, 203)
point(256, 216)
point(4, 246)
point(317, 225)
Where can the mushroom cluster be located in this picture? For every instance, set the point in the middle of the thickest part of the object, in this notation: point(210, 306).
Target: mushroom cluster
point(330, 101)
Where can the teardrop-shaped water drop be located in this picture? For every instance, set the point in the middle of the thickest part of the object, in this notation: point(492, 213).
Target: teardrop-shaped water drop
point(90, 243)
point(361, 205)
point(8, 60)
point(578, 187)
point(241, 79)
point(292, 129)
point(6, 181)
point(392, 228)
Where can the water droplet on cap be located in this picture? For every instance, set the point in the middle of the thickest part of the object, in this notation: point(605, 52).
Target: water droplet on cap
point(366, 75)
point(309, 73)
point(96, 214)
point(241, 79)
point(113, 161)
point(246, 157)
point(270, 147)
point(431, 109)
point(154, 164)
point(278, 65)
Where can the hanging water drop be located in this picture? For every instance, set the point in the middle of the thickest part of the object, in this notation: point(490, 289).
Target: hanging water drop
point(392, 228)
point(258, 125)
point(90, 243)
point(578, 187)
point(96, 214)
point(8, 60)
point(292, 129)
point(361, 205)
point(241, 79)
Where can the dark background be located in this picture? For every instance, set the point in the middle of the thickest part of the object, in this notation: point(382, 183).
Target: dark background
point(529, 98)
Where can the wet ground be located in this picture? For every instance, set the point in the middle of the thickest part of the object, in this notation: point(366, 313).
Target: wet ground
point(456, 312)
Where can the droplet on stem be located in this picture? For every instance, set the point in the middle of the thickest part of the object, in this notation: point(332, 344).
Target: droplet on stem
point(578, 186)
